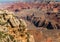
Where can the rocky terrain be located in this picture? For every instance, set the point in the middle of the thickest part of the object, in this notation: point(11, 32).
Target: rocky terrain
point(13, 29)
point(43, 19)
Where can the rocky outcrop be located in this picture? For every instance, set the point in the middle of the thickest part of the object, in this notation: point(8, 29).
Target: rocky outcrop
point(43, 21)
point(13, 29)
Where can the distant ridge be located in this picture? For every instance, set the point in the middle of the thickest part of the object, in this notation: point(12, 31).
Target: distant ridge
point(6, 1)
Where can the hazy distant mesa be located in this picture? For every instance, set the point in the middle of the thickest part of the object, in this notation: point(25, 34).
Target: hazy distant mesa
point(26, 0)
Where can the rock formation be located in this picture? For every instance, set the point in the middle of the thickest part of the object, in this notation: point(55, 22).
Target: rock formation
point(43, 21)
point(13, 29)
